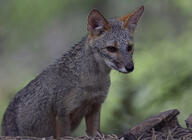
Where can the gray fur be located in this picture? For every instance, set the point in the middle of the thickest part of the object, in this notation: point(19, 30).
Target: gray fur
point(122, 37)
point(69, 89)
point(57, 91)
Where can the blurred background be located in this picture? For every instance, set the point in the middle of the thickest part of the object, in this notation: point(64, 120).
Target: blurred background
point(35, 33)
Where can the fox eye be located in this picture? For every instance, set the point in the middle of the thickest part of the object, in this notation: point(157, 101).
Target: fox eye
point(111, 49)
point(130, 47)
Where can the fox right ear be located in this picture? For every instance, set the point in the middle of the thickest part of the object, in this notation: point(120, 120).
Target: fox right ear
point(97, 24)
point(130, 21)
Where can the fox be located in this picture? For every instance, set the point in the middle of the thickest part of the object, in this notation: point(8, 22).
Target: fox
point(76, 85)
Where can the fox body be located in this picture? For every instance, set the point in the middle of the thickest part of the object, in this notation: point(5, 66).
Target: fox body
point(54, 103)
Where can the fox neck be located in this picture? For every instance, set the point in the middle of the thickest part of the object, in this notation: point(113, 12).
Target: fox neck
point(81, 59)
point(95, 60)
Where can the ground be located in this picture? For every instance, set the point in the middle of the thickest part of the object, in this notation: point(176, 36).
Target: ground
point(163, 126)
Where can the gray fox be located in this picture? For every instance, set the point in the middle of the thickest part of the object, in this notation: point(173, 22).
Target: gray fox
point(76, 85)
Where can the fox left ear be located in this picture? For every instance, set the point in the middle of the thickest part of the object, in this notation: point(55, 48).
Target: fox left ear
point(130, 21)
point(97, 24)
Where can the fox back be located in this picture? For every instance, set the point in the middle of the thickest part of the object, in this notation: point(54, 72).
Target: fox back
point(76, 85)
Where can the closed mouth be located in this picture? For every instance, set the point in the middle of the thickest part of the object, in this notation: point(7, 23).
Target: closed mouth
point(122, 70)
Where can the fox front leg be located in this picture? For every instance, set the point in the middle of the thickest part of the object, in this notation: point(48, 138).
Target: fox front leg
point(93, 120)
point(63, 126)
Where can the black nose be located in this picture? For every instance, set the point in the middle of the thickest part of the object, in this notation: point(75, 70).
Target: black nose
point(129, 68)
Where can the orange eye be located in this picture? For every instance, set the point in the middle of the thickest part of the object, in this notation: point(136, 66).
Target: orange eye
point(111, 49)
point(130, 47)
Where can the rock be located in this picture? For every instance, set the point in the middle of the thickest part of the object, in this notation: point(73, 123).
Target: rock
point(164, 126)
point(188, 122)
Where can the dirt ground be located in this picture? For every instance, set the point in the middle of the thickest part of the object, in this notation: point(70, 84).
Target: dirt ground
point(163, 126)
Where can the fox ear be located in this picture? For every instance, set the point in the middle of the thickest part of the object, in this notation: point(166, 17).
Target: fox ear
point(97, 24)
point(130, 21)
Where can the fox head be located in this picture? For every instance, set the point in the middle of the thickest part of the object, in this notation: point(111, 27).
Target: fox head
point(112, 39)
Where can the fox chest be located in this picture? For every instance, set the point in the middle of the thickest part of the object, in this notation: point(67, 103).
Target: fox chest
point(92, 90)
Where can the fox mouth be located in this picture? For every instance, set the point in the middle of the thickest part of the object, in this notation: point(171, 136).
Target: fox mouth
point(123, 70)
point(113, 66)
